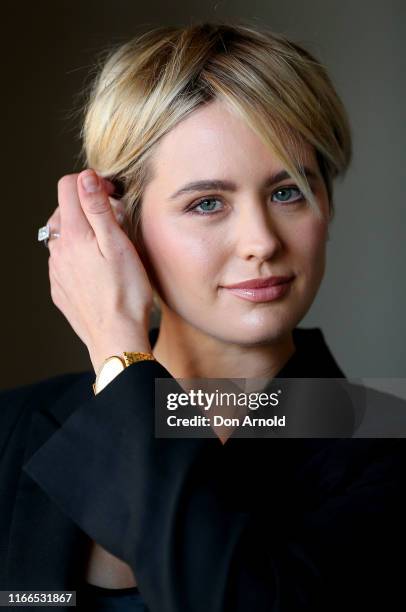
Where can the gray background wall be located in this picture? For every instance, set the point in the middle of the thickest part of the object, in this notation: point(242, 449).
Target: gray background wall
point(49, 48)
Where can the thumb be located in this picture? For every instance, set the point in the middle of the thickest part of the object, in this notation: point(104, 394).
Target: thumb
point(96, 206)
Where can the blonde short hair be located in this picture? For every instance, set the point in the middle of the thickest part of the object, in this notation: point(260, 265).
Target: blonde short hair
point(146, 86)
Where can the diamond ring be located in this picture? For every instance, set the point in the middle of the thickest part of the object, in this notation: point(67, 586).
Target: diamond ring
point(45, 234)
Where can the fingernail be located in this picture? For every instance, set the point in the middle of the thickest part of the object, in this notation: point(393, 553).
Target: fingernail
point(90, 183)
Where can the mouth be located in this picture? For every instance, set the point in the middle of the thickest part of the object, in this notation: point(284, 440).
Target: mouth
point(274, 290)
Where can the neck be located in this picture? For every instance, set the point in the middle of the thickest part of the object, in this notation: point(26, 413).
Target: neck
point(187, 352)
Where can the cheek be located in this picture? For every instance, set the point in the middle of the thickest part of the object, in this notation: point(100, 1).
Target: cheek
point(309, 242)
point(179, 258)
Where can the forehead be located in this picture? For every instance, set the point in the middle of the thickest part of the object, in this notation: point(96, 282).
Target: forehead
point(214, 140)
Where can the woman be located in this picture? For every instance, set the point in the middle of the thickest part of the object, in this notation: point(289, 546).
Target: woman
point(220, 144)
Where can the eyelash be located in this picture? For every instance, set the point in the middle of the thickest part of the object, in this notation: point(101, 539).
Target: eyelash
point(193, 210)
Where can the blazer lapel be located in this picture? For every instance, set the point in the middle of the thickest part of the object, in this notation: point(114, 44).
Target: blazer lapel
point(46, 548)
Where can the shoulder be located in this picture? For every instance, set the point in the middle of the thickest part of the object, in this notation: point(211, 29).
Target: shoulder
point(17, 404)
point(362, 465)
point(16, 399)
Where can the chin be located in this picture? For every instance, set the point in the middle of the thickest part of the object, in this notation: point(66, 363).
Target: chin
point(264, 330)
point(248, 324)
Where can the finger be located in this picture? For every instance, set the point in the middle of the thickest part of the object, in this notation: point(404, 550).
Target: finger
point(108, 186)
point(97, 208)
point(56, 289)
point(54, 223)
point(74, 223)
point(54, 220)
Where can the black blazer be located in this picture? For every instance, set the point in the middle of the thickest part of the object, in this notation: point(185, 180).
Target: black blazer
point(255, 525)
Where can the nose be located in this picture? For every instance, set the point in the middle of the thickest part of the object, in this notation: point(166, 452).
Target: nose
point(257, 233)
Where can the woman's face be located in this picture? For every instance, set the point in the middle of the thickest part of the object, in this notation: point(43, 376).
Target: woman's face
point(200, 240)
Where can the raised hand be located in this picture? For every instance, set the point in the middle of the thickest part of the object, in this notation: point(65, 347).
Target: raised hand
point(96, 276)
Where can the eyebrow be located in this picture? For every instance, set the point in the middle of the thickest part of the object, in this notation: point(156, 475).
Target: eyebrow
point(220, 185)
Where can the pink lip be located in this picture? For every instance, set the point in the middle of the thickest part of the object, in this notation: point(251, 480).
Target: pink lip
point(265, 293)
point(258, 283)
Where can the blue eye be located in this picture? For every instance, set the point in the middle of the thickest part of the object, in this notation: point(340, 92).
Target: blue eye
point(206, 211)
point(285, 195)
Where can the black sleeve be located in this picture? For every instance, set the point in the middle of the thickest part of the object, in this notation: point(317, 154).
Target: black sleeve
point(17, 404)
point(159, 505)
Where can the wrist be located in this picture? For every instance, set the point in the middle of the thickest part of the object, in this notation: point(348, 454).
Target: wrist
point(99, 353)
point(115, 364)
